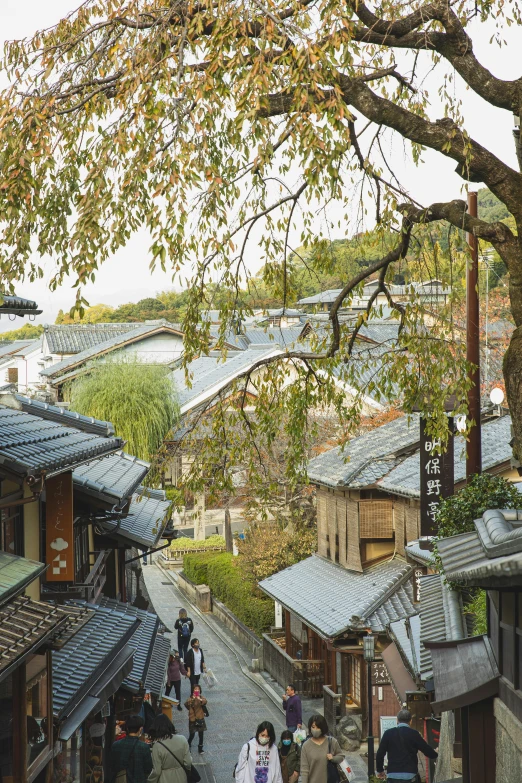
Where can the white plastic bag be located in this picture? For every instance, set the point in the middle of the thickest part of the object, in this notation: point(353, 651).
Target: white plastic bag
point(299, 736)
point(209, 678)
point(345, 770)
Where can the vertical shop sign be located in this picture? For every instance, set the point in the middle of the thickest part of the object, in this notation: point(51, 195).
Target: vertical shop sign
point(437, 476)
point(59, 528)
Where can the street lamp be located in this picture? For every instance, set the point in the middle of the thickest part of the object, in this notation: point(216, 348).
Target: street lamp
point(497, 397)
point(369, 656)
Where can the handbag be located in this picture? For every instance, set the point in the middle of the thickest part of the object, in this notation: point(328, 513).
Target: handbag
point(205, 711)
point(191, 772)
point(199, 723)
point(332, 773)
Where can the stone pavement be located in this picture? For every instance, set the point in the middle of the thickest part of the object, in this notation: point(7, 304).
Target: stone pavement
point(240, 700)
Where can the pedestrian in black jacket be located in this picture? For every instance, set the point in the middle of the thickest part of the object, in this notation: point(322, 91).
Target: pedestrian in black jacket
point(131, 754)
point(185, 628)
point(195, 663)
point(402, 745)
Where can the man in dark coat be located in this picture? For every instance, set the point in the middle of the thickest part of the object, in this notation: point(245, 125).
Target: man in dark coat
point(402, 745)
point(195, 663)
point(131, 754)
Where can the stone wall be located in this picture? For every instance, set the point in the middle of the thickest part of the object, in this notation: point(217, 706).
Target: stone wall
point(509, 743)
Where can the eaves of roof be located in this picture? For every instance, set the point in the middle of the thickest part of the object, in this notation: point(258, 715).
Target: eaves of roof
point(65, 416)
point(111, 479)
point(16, 305)
point(58, 371)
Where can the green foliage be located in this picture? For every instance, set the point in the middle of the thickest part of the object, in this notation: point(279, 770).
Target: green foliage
point(185, 544)
point(267, 548)
point(457, 513)
point(223, 574)
point(26, 332)
point(139, 399)
point(477, 607)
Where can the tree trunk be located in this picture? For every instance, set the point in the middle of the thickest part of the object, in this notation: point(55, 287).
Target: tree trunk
point(513, 379)
point(228, 531)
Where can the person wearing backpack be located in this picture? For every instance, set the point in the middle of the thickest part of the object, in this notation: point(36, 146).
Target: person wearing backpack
point(320, 754)
point(185, 627)
point(402, 745)
point(259, 758)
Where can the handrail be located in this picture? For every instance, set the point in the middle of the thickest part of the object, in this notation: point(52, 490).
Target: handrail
point(96, 568)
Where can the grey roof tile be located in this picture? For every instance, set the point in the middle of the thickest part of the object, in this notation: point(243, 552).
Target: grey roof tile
point(74, 338)
point(147, 664)
point(441, 618)
point(17, 305)
point(114, 478)
point(15, 348)
point(91, 648)
point(30, 444)
point(143, 523)
point(24, 624)
point(65, 416)
point(210, 373)
point(496, 435)
point(406, 635)
point(340, 599)
point(61, 369)
point(328, 296)
point(336, 468)
point(398, 606)
point(414, 551)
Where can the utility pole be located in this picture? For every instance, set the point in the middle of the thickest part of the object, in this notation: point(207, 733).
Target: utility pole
point(473, 446)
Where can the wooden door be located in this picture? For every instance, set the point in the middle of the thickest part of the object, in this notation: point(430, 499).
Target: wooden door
point(478, 743)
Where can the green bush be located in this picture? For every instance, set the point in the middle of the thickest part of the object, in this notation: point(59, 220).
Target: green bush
point(220, 571)
point(184, 544)
point(457, 513)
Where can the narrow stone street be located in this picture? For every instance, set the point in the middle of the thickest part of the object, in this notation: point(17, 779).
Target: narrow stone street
point(236, 704)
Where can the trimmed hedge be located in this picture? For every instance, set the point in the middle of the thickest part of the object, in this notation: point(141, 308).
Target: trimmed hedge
point(220, 571)
point(186, 544)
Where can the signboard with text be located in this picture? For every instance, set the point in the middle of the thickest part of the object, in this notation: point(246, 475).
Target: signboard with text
point(380, 674)
point(59, 536)
point(436, 476)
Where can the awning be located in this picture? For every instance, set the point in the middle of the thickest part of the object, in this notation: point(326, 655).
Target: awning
point(143, 524)
point(398, 672)
point(24, 626)
point(106, 686)
point(464, 671)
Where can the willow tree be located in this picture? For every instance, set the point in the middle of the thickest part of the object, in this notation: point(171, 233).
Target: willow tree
point(138, 399)
point(216, 124)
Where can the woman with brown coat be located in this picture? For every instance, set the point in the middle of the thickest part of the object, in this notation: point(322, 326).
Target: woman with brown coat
point(197, 709)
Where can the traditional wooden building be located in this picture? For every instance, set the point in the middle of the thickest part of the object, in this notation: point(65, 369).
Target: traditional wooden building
point(480, 679)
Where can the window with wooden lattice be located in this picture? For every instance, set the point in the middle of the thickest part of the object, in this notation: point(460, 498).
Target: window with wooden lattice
point(376, 518)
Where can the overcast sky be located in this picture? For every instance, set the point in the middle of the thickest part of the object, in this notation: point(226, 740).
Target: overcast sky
point(126, 276)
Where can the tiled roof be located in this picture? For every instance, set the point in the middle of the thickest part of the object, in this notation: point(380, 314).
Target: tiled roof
point(209, 374)
point(414, 551)
point(113, 478)
point(496, 434)
point(30, 444)
point(366, 452)
point(64, 416)
point(326, 296)
point(61, 369)
point(406, 635)
point(441, 618)
point(491, 553)
point(385, 332)
point(331, 599)
point(398, 606)
point(74, 338)
point(87, 653)
point(16, 573)
point(24, 625)
point(15, 347)
point(143, 523)
point(143, 641)
point(156, 676)
point(16, 305)
point(282, 337)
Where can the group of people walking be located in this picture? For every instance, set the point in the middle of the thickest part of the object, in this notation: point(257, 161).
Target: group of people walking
point(166, 755)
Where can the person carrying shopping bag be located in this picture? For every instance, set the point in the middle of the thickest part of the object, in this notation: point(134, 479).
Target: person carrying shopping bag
point(198, 710)
point(174, 671)
point(259, 758)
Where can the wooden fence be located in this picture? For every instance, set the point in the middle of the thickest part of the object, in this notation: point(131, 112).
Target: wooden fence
point(307, 676)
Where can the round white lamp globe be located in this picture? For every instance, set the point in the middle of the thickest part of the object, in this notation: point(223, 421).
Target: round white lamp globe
point(460, 421)
point(496, 396)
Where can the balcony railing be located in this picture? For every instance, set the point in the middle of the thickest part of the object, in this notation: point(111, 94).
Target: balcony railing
point(307, 676)
point(89, 590)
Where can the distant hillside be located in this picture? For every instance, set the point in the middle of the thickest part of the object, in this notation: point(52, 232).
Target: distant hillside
point(26, 332)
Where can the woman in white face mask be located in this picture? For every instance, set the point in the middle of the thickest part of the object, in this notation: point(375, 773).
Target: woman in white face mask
point(259, 758)
point(320, 754)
